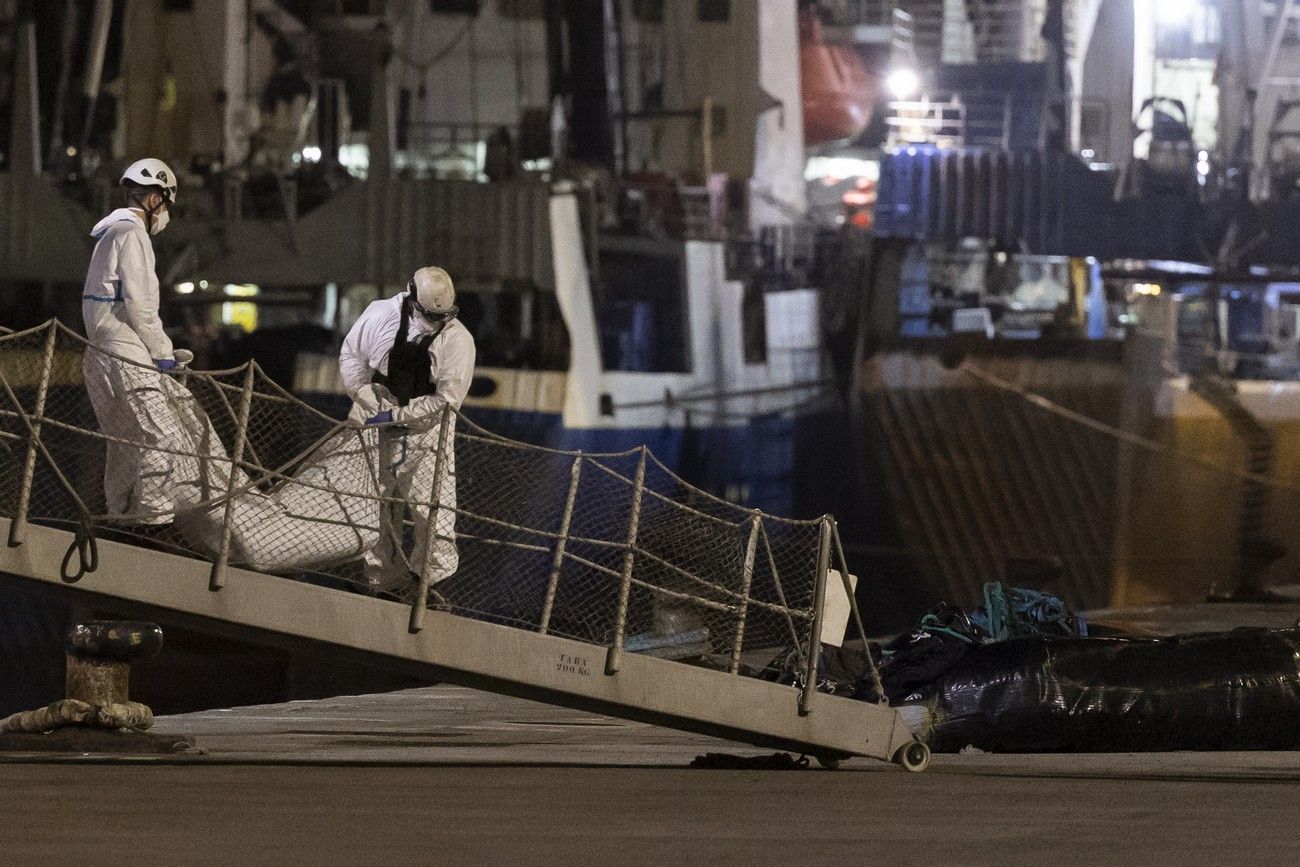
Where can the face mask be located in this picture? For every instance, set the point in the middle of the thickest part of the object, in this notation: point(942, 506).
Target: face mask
point(158, 220)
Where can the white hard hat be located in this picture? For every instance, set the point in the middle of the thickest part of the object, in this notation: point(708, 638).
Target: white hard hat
point(150, 172)
point(434, 292)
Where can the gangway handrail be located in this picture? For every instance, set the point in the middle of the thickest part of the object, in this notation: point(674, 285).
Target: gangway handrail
point(279, 474)
point(687, 550)
point(469, 652)
point(226, 500)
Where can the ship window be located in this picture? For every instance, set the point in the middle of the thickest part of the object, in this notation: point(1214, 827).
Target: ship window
point(1094, 129)
point(517, 328)
point(753, 316)
point(642, 311)
point(521, 9)
point(454, 7)
point(715, 10)
point(648, 11)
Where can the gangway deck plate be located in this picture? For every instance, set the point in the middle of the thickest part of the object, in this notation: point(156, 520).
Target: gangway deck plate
point(474, 653)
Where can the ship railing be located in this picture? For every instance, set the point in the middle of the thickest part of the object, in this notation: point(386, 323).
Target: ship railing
point(904, 32)
point(931, 31)
point(929, 120)
point(972, 119)
point(1191, 356)
point(612, 549)
point(463, 149)
point(869, 22)
point(994, 31)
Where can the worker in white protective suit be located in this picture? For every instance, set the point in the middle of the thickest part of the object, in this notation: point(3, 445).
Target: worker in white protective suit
point(404, 360)
point(119, 305)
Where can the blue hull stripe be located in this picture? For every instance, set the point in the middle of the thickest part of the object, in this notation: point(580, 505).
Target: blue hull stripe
point(107, 299)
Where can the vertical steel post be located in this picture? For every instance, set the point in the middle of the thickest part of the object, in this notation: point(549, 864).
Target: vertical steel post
point(218, 577)
point(614, 658)
point(857, 613)
point(18, 528)
point(746, 582)
point(421, 602)
point(553, 582)
point(819, 610)
point(780, 591)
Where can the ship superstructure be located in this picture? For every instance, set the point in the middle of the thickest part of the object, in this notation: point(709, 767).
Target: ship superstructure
point(714, 226)
point(618, 188)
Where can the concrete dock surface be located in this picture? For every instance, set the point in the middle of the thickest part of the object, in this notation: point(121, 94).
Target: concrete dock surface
point(447, 775)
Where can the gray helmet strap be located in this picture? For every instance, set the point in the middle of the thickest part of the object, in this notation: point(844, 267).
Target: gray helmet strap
point(138, 196)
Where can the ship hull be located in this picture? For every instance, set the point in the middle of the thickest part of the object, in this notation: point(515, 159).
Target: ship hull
point(1083, 470)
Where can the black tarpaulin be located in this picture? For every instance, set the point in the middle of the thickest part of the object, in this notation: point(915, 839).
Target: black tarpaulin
point(1237, 690)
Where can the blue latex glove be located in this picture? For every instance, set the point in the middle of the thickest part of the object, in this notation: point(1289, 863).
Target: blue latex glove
point(381, 418)
point(166, 365)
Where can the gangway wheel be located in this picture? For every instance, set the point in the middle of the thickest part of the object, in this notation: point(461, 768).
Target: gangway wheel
point(915, 756)
point(829, 761)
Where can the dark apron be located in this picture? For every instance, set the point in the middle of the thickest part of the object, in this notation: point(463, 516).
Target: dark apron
point(410, 367)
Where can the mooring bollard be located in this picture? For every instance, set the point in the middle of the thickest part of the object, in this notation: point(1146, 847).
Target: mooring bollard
point(97, 716)
point(99, 654)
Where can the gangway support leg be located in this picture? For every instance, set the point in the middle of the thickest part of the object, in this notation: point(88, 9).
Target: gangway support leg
point(18, 529)
point(819, 605)
point(217, 580)
point(420, 604)
point(850, 592)
point(614, 658)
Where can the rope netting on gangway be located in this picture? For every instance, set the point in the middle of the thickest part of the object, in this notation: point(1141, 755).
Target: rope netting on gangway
point(603, 548)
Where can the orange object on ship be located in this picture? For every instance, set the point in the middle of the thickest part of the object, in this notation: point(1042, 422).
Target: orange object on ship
point(838, 93)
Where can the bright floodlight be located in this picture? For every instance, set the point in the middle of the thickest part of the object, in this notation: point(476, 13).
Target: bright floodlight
point(903, 82)
point(1175, 12)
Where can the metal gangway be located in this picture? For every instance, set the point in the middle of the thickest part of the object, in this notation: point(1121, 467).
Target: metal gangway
point(578, 575)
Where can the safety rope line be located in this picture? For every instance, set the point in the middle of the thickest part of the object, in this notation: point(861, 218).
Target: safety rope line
point(261, 480)
point(234, 417)
point(482, 434)
point(1050, 406)
point(488, 435)
point(653, 494)
point(780, 594)
point(279, 474)
point(725, 591)
point(84, 541)
point(86, 547)
point(289, 397)
point(653, 588)
point(714, 498)
point(621, 546)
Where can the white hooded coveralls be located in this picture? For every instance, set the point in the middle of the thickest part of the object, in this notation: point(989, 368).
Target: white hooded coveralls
point(119, 305)
point(407, 456)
